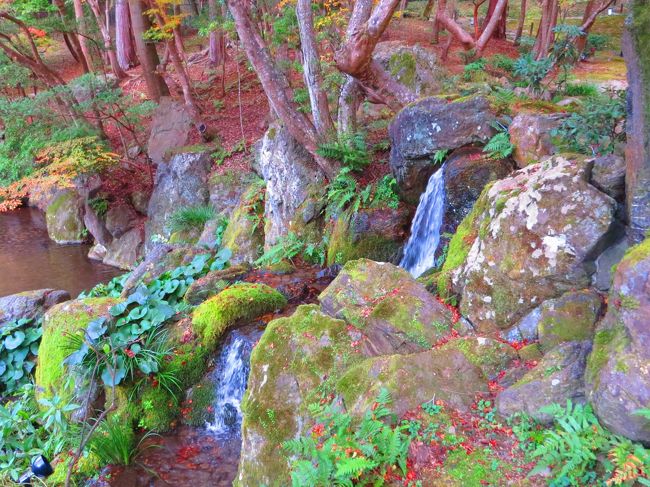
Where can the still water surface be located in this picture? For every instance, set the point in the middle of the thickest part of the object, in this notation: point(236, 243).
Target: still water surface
point(30, 260)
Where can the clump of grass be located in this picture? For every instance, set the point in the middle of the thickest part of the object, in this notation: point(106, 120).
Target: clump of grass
point(190, 218)
point(581, 89)
point(114, 442)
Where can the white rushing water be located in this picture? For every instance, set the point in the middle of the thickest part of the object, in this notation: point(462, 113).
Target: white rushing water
point(419, 254)
point(231, 374)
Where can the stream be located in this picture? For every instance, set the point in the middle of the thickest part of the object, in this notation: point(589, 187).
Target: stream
point(30, 260)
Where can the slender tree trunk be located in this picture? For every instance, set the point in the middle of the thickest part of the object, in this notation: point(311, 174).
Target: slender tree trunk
point(312, 71)
point(217, 40)
point(349, 101)
point(592, 10)
point(126, 56)
point(82, 36)
point(71, 39)
point(500, 29)
point(521, 22)
point(426, 13)
point(156, 86)
point(108, 41)
point(550, 9)
point(477, 6)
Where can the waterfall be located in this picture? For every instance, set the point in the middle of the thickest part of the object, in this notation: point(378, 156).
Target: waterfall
point(231, 376)
point(419, 254)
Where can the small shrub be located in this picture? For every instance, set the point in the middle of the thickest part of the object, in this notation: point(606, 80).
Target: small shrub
point(19, 341)
point(532, 72)
point(190, 218)
point(472, 69)
point(350, 150)
point(499, 146)
point(386, 193)
point(501, 62)
point(580, 89)
point(99, 205)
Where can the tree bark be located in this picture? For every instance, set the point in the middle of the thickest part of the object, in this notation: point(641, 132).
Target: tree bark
point(547, 23)
point(500, 29)
point(521, 22)
point(126, 56)
point(217, 50)
point(82, 35)
point(593, 9)
point(349, 101)
point(426, 13)
point(312, 71)
point(71, 39)
point(147, 54)
point(106, 36)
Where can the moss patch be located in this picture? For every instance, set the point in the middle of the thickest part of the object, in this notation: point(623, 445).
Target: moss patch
point(238, 303)
point(159, 410)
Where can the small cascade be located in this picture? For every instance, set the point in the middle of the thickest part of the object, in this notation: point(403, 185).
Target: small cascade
point(231, 376)
point(419, 254)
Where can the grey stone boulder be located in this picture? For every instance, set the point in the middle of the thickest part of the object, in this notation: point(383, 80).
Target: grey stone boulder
point(29, 304)
point(125, 251)
point(180, 182)
point(606, 262)
point(558, 376)
point(65, 218)
point(531, 135)
point(171, 126)
point(608, 175)
point(427, 126)
point(618, 370)
point(120, 219)
point(244, 234)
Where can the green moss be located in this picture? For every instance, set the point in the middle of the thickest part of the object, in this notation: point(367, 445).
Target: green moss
point(70, 317)
point(606, 342)
point(481, 467)
point(238, 303)
point(402, 66)
point(531, 352)
point(491, 356)
point(87, 466)
point(159, 410)
point(637, 253)
point(188, 364)
point(200, 403)
point(243, 234)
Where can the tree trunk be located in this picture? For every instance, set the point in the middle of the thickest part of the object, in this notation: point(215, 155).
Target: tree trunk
point(592, 10)
point(500, 29)
point(312, 71)
point(108, 41)
point(82, 36)
point(71, 39)
point(547, 23)
point(520, 24)
point(349, 101)
point(426, 13)
point(217, 50)
point(156, 86)
point(126, 56)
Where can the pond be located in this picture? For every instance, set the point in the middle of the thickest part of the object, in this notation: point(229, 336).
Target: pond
point(30, 260)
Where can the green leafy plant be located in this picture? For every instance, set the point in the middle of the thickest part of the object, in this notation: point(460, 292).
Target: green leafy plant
point(502, 62)
point(113, 289)
point(19, 340)
point(287, 247)
point(440, 156)
point(581, 89)
point(339, 452)
point(114, 442)
point(531, 71)
point(350, 150)
point(499, 146)
point(190, 218)
point(386, 193)
point(99, 205)
point(221, 154)
point(342, 192)
point(470, 70)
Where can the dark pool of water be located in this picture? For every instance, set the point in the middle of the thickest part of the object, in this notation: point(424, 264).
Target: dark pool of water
point(30, 260)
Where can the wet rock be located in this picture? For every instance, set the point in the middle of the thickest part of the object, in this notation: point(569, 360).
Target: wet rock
point(423, 128)
point(125, 251)
point(526, 329)
point(64, 217)
point(244, 234)
point(227, 188)
point(96, 226)
point(377, 234)
point(171, 126)
point(97, 252)
point(181, 182)
point(120, 219)
point(557, 377)
point(608, 175)
point(529, 240)
point(530, 133)
point(294, 184)
point(412, 66)
point(571, 317)
point(29, 305)
point(618, 371)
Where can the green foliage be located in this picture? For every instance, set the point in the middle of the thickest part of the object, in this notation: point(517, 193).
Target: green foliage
point(99, 205)
point(595, 42)
point(499, 146)
point(386, 193)
point(581, 89)
point(190, 218)
point(221, 154)
point(113, 289)
point(114, 441)
point(350, 150)
point(502, 62)
point(27, 430)
point(342, 193)
point(471, 69)
point(19, 340)
point(595, 128)
point(290, 246)
point(439, 156)
point(339, 452)
point(532, 72)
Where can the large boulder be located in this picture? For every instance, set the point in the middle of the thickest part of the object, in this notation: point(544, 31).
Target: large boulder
point(528, 239)
point(608, 175)
point(558, 376)
point(374, 233)
point(125, 251)
point(294, 185)
point(431, 125)
point(64, 217)
point(180, 182)
point(530, 133)
point(29, 305)
point(120, 219)
point(171, 127)
point(618, 370)
point(413, 67)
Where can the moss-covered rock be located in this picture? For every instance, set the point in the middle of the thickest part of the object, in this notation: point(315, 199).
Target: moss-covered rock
point(200, 399)
point(491, 356)
point(618, 370)
point(214, 282)
point(239, 303)
point(159, 409)
point(64, 218)
point(244, 235)
point(70, 317)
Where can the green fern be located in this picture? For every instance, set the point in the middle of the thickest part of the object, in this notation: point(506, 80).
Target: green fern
point(499, 146)
point(349, 149)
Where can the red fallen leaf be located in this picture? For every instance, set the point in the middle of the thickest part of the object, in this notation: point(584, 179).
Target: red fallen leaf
point(129, 353)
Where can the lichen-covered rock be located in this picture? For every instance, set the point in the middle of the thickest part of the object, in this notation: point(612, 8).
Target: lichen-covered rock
point(530, 133)
point(64, 217)
point(412, 66)
point(244, 234)
point(294, 185)
point(376, 234)
point(180, 182)
point(29, 305)
point(395, 312)
point(125, 251)
point(445, 374)
point(558, 376)
point(527, 240)
point(171, 126)
point(214, 282)
point(423, 128)
point(618, 371)
point(238, 303)
point(571, 317)
point(489, 355)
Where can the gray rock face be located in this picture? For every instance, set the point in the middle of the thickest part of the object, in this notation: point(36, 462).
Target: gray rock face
point(64, 218)
point(557, 377)
point(602, 278)
point(96, 227)
point(171, 126)
point(124, 252)
point(430, 125)
point(608, 175)
point(29, 304)
point(180, 182)
point(414, 67)
point(618, 370)
point(531, 136)
point(538, 230)
point(120, 219)
point(292, 180)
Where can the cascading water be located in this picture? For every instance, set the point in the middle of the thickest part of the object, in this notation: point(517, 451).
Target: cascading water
point(419, 254)
point(231, 376)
